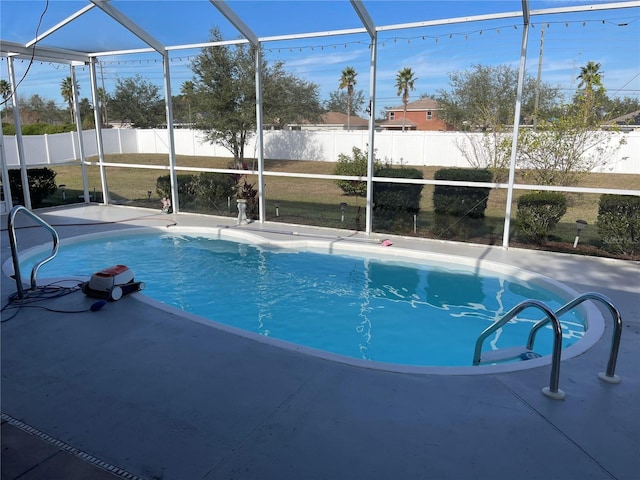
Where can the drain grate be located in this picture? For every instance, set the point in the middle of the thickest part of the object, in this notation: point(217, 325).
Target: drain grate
point(69, 449)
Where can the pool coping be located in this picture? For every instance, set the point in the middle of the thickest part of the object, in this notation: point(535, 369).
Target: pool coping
point(360, 247)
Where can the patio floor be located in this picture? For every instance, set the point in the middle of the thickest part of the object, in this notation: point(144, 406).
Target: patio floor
point(135, 391)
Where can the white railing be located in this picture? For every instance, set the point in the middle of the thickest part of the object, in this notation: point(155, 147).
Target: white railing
point(408, 148)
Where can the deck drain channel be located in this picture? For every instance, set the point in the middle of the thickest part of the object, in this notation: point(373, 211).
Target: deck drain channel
point(69, 449)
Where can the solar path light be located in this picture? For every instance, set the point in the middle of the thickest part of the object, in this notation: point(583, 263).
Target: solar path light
point(580, 224)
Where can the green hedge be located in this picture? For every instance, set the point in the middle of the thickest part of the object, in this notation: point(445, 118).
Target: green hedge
point(619, 223)
point(395, 204)
point(538, 214)
point(38, 129)
point(208, 190)
point(42, 184)
point(187, 188)
point(461, 201)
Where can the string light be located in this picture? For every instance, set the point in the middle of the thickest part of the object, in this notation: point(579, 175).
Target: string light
point(383, 43)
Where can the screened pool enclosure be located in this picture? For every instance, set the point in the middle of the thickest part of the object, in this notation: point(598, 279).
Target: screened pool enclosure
point(333, 35)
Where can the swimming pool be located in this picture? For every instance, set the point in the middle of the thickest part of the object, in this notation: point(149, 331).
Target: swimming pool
point(410, 309)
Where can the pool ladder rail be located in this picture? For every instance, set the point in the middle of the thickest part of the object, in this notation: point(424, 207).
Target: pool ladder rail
point(552, 391)
point(14, 249)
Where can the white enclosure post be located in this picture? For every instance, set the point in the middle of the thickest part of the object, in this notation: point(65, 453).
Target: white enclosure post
point(516, 124)
point(260, 134)
point(372, 127)
point(81, 153)
point(171, 139)
point(103, 175)
point(367, 21)
point(16, 120)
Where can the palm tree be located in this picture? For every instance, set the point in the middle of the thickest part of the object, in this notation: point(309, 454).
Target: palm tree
point(404, 83)
point(590, 78)
point(5, 91)
point(348, 80)
point(66, 90)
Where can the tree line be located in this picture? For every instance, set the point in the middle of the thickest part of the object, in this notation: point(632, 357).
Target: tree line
point(220, 99)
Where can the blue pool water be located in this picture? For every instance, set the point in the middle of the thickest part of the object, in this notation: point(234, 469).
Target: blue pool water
point(384, 311)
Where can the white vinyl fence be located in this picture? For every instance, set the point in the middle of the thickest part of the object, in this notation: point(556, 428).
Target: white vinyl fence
point(408, 148)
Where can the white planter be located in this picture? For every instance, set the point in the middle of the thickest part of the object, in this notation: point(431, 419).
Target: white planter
point(242, 211)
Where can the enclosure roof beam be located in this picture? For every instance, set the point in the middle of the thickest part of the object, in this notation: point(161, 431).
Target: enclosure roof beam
point(507, 15)
point(586, 8)
point(365, 18)
point(450, 21)
point(127, 23)
point(43, 54)
point(58, 26)
point(236, 21)
point(525, 12)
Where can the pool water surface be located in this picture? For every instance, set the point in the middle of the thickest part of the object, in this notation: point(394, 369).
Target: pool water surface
point(394, 311)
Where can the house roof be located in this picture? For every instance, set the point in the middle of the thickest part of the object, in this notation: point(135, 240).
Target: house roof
point(341, 119)
point(399, 122)
point(338, 118)
point(426, 103)
point(632, 118)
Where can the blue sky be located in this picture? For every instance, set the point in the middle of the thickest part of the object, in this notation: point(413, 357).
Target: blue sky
point(610, 37)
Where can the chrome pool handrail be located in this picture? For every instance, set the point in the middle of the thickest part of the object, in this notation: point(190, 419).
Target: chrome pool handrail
point(609, 375)
point(552, 391)
point(14, 247)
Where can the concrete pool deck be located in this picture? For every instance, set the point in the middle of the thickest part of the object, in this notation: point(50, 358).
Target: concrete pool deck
point(148, 394)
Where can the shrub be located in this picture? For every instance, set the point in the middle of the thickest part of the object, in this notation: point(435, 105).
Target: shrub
point(214, 189)
point(186, 187)
point(396, 203)
point(42, 184)
point(619, 223)
point(354, 165)
point(461, 201)
point(538, 214)
point(45, 128)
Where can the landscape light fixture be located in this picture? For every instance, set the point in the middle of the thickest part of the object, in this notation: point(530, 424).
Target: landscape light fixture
point(149, 194)
point(64, 195)
point(580, 224)
point(343, 207)
point(277, 209)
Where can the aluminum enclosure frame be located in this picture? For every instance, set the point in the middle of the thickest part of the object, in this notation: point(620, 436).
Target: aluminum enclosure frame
point(34, 50)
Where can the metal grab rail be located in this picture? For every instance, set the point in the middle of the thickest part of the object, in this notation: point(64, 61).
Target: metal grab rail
point(609, 375)
point(552, 390)
point(14, 247)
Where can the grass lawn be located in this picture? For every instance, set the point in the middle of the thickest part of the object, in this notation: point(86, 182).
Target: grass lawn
point(317, 202)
